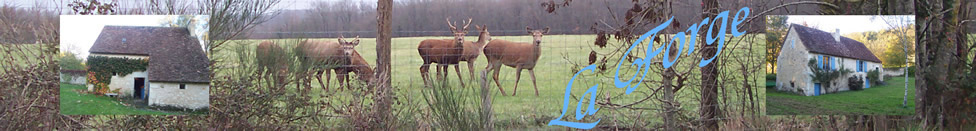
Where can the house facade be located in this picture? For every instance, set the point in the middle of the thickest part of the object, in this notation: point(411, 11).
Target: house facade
point(830, 52)
point(177, 74)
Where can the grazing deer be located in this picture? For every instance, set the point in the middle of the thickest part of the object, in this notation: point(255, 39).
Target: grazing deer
point(273, 61)
point(519, 55)
point(473, 49)
point(443, 52)
point(326, 56)
point(356, 65)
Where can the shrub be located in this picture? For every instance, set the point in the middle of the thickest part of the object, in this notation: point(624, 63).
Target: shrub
point(451, 109)
point(825, 77)
point(873, 76)
point(855, 83)
point(771, 77)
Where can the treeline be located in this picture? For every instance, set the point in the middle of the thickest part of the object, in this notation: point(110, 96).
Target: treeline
point(20, 34)
point(427, 18)
point(885, 45)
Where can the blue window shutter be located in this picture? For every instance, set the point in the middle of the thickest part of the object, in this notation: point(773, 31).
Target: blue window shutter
point(831, 64)
point(819, 61)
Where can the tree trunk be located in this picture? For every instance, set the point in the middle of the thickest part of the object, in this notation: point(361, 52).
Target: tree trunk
point(934, 55)
point(381, 113)
point(708, 109)
point(668, 76)
point(904, 103)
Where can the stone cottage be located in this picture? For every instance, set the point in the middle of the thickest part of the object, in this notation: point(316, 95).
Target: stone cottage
point(177, 73)
point(830, 50)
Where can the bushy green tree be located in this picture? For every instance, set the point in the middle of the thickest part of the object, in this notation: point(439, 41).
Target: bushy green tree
point(776, 28)
point(68, 61)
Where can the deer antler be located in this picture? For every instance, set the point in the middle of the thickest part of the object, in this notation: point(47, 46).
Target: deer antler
point(448, 19)
point(468, 23)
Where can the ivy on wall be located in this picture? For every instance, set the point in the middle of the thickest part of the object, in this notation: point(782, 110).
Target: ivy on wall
point(102, 68)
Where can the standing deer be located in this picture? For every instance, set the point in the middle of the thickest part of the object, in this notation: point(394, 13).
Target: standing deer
point(326, 56)
point(519, 55)
point(443, 52)
point(473, 49)
point(273, 61)
point(357, 65)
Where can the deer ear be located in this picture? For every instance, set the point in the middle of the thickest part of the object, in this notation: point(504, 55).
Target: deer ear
point(484, 27)
point(546, 30)
point(355, 42)
point(527, 29)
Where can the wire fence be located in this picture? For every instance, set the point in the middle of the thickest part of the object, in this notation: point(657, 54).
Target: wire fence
point(558, 55)
point(334, 34)
point(561, 55)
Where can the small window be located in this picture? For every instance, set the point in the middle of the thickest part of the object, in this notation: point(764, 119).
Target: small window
point(826, 62)
point(182, 86)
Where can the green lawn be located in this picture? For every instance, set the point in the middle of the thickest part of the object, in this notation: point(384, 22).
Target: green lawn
point(75, 103)
point(877, 100)
point(554, 70)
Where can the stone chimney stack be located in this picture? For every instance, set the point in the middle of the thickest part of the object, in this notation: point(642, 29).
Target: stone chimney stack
point(837, 35)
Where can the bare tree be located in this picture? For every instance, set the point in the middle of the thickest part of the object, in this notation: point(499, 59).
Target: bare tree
point(901, 26)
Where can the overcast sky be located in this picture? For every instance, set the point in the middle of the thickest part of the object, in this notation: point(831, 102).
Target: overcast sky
point(846, 23)
point(78, 33)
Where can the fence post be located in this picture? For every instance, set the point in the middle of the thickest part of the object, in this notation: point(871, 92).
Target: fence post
point(486, 110)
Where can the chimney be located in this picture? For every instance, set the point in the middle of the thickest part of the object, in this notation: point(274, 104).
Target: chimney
point(837, 35)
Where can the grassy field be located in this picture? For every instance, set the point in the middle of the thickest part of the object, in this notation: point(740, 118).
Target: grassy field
point(75, 103)
point(22, 55)
point(877, 100)
point(554, 70)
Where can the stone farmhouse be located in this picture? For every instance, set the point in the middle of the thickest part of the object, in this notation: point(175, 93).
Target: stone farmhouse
point(831, 51)
point(177, 73)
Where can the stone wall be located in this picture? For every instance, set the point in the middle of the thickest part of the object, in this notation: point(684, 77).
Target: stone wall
point(193, 96)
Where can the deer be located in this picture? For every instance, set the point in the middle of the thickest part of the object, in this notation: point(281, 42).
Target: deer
point(473, 49)
point(356, 65)
point(443, 52)
point(519, 55)
point(273, 61)
point(326, 56)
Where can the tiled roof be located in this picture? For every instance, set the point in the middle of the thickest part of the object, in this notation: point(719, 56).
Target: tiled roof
point(822, 42)
point(174, 55)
